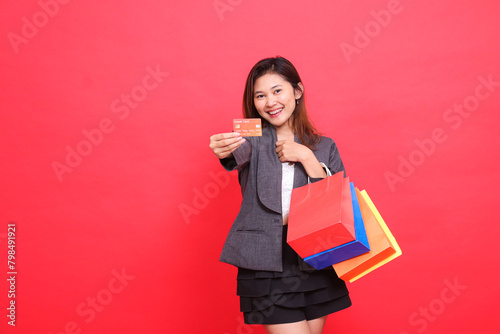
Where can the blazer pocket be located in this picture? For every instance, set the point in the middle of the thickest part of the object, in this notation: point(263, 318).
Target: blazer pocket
point(250, 230)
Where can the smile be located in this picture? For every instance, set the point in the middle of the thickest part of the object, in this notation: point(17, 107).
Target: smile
point(275, 113)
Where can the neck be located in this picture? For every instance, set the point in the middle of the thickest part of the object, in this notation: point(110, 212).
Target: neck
point(284, 132)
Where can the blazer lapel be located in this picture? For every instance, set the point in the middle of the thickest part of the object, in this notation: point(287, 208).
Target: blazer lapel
point(269, 171)
point(299, 173)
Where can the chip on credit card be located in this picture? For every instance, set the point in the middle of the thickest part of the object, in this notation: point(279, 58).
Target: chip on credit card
point(249, 127)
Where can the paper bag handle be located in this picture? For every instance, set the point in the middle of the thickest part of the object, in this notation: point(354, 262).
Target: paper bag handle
point(327, 170)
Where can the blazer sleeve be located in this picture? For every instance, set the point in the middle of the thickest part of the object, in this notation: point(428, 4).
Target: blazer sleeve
point(240, 157)
point(334, 163)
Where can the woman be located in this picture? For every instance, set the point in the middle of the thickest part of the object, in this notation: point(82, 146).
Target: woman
point(276, 287)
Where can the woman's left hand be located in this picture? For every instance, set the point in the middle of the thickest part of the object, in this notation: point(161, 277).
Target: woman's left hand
point(291, 151)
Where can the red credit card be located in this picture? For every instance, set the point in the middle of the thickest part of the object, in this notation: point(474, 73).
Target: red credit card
point(248, 126)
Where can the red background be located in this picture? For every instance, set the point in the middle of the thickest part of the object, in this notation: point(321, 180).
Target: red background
point(120, 207)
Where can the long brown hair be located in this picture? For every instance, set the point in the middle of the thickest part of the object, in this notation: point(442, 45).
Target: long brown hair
point(300, 123)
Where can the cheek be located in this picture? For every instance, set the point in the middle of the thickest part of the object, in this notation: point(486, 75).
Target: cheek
point(263, 114)
point(259, 105)
point(286, 99)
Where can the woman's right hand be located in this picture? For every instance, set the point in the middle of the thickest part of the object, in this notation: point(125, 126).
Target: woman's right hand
point(224, 144)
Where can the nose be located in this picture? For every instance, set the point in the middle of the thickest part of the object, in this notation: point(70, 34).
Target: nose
point(270, 101)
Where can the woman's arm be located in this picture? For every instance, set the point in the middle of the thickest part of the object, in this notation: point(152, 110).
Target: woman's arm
point(291, 151)
point(233, 150)
point(294, 152)
point(313, 167)
point(335, 164)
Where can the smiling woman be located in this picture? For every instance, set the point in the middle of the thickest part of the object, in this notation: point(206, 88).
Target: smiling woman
point(276, 287)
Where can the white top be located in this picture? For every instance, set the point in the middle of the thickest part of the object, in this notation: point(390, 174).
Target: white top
point(286, 189)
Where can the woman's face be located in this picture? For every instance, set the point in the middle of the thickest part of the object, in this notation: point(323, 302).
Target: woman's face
point(275, 99)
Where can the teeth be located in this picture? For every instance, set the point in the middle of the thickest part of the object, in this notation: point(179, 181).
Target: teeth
point(275, 112)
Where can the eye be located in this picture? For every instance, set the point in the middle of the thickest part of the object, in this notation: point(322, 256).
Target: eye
point(277, 91)
point(259, 96)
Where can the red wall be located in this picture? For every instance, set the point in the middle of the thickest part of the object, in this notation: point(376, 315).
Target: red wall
point(121, 209)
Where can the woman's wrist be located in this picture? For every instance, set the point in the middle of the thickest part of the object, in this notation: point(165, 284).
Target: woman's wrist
point(312, 166)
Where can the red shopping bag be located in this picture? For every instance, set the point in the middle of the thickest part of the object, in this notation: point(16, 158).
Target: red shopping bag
point(348, 250)
point(321, 216)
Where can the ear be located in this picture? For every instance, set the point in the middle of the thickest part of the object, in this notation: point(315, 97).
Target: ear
point(299, 91)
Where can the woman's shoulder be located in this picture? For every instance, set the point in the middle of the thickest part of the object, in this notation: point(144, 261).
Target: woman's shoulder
point(325, 141)
point(325, 138)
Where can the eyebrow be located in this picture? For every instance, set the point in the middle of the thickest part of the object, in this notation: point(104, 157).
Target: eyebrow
point(271, 88)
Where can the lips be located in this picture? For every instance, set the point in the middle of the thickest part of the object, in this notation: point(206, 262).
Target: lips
point(275, 112)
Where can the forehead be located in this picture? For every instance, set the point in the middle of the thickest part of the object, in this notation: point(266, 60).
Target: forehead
point(268, 81)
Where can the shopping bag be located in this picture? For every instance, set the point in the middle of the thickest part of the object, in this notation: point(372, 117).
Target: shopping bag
point(348, 250)
point(383, 245)
point(321, 216)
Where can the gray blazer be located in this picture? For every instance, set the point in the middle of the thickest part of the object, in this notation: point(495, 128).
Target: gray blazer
point(254, 240)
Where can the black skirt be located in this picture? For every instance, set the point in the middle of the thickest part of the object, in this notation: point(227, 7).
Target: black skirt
point(268, 297)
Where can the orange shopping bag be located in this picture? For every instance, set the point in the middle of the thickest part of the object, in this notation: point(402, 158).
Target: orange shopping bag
point(383, 245)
